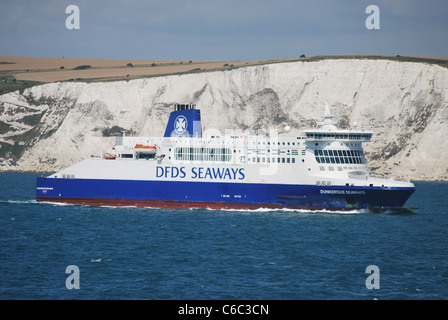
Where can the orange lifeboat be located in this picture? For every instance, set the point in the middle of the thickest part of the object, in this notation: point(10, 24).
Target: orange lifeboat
point(109, 156)
point(145, 149)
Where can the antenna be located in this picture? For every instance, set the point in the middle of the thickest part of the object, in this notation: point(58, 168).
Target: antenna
point(327, 109)
point(330, 121)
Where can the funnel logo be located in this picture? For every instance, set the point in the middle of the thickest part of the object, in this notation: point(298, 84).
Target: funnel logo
point(180, 124)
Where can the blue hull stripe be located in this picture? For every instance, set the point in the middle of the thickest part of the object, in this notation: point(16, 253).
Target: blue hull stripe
point(237, 193)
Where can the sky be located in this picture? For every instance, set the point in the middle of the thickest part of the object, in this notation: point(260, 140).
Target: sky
point(222, 29)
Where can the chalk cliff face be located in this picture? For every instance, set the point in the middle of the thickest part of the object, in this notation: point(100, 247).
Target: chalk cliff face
point(48, 127)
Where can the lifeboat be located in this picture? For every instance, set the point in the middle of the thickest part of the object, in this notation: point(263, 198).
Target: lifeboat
point(145, 149)
point(109, 156)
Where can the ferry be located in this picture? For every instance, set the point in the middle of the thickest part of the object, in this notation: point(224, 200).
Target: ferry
point(323, 169)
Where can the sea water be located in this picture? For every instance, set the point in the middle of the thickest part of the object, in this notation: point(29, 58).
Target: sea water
point(54, 251)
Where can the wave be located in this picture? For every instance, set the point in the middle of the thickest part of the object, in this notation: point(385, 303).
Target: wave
point(19, 238)
point(290, 210)
point(30, 201)
point(258, 210)
point(33, 201)
point(58, 204)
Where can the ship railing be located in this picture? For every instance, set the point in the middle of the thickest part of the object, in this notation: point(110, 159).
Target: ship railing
point(330, 138)
point(389, 177)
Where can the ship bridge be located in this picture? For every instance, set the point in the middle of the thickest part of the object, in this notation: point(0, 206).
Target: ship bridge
point(329, 131)
point(339, 135)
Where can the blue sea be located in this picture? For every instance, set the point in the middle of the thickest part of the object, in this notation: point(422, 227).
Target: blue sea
point(54, 251)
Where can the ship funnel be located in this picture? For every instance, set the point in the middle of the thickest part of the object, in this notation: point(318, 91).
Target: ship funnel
point(184, 121)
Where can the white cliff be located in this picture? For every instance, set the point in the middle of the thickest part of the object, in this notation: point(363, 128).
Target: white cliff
point(51, 126)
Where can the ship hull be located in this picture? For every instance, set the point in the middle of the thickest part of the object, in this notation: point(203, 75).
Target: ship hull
point(219, 195)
